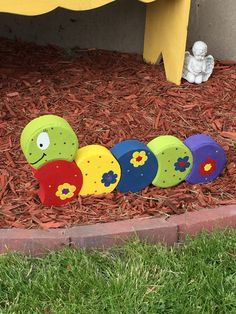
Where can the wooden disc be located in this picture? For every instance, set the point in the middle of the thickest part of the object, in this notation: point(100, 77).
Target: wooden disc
point(138, 165)
point(101, 171)
point(60, 181)
point(174, 160)
point(209, 159)
point(48, 138)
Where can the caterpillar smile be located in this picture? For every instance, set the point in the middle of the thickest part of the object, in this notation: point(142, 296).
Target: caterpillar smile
point(33, 163)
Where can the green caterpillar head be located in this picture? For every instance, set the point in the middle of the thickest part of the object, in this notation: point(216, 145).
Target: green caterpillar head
point(48, 138)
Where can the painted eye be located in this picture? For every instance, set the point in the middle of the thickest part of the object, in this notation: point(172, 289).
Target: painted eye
point(43, 140)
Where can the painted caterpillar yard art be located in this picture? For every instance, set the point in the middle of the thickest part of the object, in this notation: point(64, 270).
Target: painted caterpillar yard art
point(64, 170)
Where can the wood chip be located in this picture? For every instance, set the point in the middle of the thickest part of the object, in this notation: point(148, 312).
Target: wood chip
point(108, 97)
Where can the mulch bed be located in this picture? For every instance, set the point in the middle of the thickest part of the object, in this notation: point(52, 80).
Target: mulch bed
point(108, 97)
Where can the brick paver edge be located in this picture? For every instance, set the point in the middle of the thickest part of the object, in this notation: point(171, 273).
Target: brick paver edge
point(36, 242)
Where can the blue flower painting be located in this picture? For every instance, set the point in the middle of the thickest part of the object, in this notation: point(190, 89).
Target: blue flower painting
point(182, 164)
point(109, 178)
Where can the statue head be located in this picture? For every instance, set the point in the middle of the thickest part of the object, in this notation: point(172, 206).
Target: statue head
point(199, 50)
point(48, 138)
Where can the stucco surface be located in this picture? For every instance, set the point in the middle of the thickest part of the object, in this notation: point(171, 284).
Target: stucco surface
point(120, 26)
point(117, 26)
point(214, 21)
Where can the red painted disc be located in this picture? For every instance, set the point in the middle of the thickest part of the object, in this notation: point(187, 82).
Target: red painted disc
point(60, 181)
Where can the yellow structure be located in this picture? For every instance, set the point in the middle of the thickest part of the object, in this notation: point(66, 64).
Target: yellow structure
point(101, 171)
point(165, 31)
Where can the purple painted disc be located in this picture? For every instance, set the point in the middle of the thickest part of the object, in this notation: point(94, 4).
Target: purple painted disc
point(209, 159)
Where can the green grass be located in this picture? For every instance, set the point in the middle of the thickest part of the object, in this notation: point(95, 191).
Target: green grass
point(198, 277)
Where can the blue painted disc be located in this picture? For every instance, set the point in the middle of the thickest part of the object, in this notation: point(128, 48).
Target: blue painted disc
point(138, 165)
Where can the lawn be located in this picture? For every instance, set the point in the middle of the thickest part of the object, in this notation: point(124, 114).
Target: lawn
point(197, 277)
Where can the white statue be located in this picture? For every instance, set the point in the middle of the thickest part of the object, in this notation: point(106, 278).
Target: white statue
point(198, 68)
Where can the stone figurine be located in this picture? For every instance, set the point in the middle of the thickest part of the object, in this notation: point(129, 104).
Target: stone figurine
point(198, 68)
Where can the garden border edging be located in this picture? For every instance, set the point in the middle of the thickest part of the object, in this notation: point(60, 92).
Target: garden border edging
point(104, 235)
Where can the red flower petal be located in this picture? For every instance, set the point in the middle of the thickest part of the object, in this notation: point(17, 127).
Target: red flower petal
point(205, 172)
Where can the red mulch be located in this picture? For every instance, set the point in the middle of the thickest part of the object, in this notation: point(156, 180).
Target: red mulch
point(108, 97)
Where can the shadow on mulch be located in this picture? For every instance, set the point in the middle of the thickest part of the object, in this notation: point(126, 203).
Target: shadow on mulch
point(108, 97)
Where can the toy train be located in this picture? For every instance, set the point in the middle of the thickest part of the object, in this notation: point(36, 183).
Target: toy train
point(64, 170)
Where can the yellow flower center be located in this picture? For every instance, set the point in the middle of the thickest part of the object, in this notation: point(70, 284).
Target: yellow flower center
point(207, 167)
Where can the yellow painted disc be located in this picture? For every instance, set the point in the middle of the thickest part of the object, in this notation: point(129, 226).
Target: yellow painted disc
point(101, 171)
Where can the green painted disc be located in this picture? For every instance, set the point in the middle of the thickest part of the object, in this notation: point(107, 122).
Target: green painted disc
point(48, 138)
point(174, 160)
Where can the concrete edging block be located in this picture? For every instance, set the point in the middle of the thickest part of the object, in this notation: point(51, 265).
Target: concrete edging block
point(192, 223)
point(33, 242)
point(108, 234)
point(104, 235)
